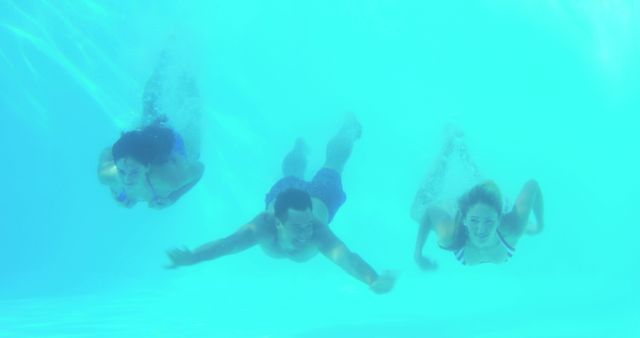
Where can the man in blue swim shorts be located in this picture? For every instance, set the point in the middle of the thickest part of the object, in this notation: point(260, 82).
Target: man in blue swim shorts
point(295, 224)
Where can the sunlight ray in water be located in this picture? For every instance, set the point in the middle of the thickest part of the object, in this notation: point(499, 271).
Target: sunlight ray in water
point(91, 88)
point(45, 43)
point(95, 51)
point(40, 115)
point(5, 59)
point(34, 72)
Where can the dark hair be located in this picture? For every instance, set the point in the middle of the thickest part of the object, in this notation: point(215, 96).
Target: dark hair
point(487, 193)
point(295, 199)
point(151, 145)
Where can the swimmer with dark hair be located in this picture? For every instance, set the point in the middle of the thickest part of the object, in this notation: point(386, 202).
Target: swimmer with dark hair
point(151, 164)
point(295, 224)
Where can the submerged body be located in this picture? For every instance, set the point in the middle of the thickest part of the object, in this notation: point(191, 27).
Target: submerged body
point(153, 163)
point(295, 223)
point(475, 227)
point(160, 183)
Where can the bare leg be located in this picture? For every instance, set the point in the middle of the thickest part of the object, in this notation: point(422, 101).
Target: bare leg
point(152, 91)
point(172, 97)
point(430, 190)
point(190, 107)
point(431, 187)
point(340, 146)
point(424, 210)
point(295, 162)
point(460, 147)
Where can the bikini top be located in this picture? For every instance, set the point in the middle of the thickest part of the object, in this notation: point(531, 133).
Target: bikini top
point(459, 253)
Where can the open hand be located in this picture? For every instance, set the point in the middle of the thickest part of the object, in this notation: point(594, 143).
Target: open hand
point(384, 283)
point(160, 202)
point(180, 257)
point(426, 264)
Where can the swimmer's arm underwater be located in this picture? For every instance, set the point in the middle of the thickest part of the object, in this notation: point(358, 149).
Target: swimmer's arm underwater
point(334, 249)
point(194, 176)
point(244, 238)
point(107, 170)
point(195, 172)
point(108, 175)
point(423, 233)
point(530, 199)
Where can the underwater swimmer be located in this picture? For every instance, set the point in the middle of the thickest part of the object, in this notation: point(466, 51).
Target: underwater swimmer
point(475, 228)
point(295, 223)
point(148, 165)
point(151, 164)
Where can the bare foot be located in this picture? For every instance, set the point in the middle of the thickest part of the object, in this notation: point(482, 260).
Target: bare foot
point(301, 147)
point(351, 127)
point(454, 139)
point(426, 264)
point(295, 162)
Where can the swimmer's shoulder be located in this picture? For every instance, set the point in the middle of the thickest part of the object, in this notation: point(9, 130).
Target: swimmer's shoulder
point(107, 170)
point(264, 224)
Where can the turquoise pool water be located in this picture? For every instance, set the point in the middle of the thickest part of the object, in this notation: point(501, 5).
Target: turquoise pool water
point(542, 89)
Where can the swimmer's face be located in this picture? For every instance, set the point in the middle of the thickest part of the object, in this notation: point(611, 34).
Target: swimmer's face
point(482, 223)
point(297, 230)
point(131, 172)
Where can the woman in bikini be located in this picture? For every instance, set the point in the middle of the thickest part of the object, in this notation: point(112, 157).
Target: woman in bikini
point(154, 163)
point(477, 227)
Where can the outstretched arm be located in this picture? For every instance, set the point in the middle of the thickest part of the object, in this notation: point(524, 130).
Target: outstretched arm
point(334, 249)
point(244, 238)
point(530, 199)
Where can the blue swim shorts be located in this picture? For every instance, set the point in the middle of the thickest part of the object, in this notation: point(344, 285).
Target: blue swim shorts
point(325, 186)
